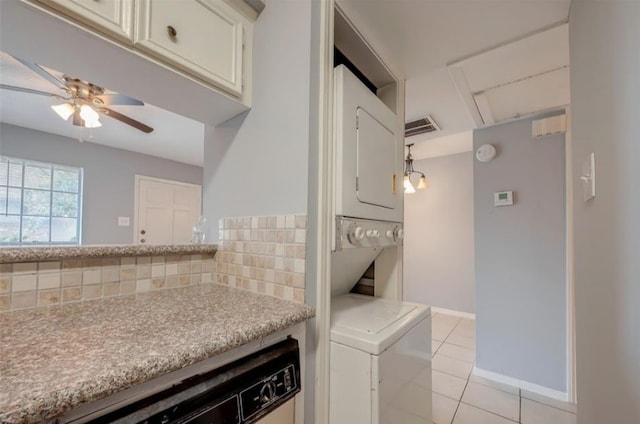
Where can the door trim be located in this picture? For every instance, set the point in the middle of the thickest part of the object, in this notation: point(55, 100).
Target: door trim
point(136, 206)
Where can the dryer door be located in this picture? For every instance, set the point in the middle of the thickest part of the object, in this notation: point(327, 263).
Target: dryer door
point(376, 162)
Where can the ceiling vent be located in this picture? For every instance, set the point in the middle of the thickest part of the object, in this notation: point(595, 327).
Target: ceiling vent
point(420, 126)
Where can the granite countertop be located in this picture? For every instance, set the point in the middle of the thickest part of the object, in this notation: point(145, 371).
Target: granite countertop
point(49, 253)
point(57, 358)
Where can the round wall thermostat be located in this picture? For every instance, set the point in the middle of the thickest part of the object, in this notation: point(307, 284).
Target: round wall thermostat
point(485, 153)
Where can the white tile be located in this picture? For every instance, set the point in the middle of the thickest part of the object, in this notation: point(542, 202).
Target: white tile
point(398, 416)
point(447, 384)
point(411, 399)
point(565, 406)
point(24, 282)
point(444, 319)
point(492, 400)
point(468, 414)
point(464, 332)
point(538, 413)
point(451, 366)
point(439, 333)
point(443, 409)
point(467, 323)
point(468, 342)
point(495, 384)
point(458, 352)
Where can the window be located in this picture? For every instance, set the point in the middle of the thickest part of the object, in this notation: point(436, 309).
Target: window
point(40, 203)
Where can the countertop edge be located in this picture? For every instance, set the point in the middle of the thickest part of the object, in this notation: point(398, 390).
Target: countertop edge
point(52, 253)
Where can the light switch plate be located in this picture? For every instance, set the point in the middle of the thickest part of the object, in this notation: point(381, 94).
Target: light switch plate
point(588, 178)
point(124, 221)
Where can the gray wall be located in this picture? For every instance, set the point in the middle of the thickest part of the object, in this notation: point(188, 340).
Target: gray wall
point(108, 177)
point(520, 257)
point(605, 99)
point(438, 245)
point(257, 163)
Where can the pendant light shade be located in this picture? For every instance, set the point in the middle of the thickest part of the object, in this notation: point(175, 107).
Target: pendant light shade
point(90, 117)
point(408, 170)
point(65, 110)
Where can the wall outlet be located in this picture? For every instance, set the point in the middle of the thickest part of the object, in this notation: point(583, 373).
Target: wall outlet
point(124, 221)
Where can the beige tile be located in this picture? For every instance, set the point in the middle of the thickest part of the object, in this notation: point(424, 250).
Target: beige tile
point(447, 385)
point(495, 384)
point(298, 295)
point(301, 221)
point(171, 269)
point(91, 292)
point(458, 352)
point(196, 267)
point(23, 300)
point(173, 281)
point(111, 262)
point(443, 409)
point(157, 270)
point(92, 262)
point(24, 282)
point(143, 285)
point(127, 287)
point(184, 267)
point(207, 277)
point(278, 291)
point(127, 261)
point(26, 267)
point(143, 260)
point(71, 278)
point(157, 283)
point(185, 280)
point(459, 331)
point(48, 297)
point(157, 260)
point(468, 342)
point(6, 268)
point(467, 414)
point(5, 302)
point(71, 264)
point(451, 366)
point(300, 236)
point(91, 276)
point(48, 280)
point(538, 413)
point(143, 271)
point(565, 406)
point(435, 345)
point(492, 400)
point(5, 284)
point(49, 266)
point(110, 274)
point(110, 289)
point(71, 294)
point(299, 266)
point(196, 278)
point(290, 221)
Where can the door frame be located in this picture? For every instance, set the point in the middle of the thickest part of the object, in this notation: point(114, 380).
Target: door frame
point(136, 194)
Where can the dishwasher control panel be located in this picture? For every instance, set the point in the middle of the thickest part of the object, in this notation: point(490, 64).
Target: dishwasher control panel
point(273, 388)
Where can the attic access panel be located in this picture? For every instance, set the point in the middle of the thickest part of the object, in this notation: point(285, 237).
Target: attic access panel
point(375, 181)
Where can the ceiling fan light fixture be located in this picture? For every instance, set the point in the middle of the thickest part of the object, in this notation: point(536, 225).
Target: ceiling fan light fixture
point(65, 110)
point(89, 116)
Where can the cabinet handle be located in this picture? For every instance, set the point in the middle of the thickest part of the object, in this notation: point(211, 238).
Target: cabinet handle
point(143, 232)
point(172, 32)
point(142, 240)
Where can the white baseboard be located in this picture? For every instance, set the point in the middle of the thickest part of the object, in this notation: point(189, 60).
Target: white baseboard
point(454, 313)
point(525, 385)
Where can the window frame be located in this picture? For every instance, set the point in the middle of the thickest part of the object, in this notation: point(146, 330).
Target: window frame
point(4, 209)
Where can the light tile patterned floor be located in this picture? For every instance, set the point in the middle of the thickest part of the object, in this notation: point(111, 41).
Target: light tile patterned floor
point(462, 398)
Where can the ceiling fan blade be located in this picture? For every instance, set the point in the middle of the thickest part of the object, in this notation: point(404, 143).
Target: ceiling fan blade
point(77, 119)
point(44, 74)
point(119, 99)
point(125, 119)
point(31, 91)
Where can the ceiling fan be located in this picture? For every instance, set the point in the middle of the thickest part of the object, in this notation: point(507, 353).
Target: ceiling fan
point(84, 102)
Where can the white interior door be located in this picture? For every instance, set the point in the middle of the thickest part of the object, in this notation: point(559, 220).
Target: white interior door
point(166, 210)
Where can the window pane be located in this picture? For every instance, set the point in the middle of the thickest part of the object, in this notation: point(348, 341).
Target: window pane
point(64, 230)
point(65, 180)
point(65, 204)
point(35, 229)
point(15, 174)
point(15, 201)
point(9, 229)
point(4, 171)
point(36, 202)
point(36, 176)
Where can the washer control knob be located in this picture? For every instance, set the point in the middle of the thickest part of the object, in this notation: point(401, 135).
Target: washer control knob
point(376, 234)
point(370, 233)
point(389, 234)
point(398, 233)
point(356, 233)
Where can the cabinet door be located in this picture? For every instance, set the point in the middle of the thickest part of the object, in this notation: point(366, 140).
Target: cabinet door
point(203, 37)
point(114, 17)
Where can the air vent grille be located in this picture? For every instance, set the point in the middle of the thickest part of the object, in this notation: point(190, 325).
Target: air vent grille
point(420, 126)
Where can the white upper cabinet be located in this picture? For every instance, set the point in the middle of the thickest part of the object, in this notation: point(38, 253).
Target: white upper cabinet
point(202, 37)
point(113, 17)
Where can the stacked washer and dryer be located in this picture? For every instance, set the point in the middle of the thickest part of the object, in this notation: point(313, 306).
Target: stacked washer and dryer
point(380, 345)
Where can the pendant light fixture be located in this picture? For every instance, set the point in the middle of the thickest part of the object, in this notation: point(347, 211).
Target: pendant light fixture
point(408, 171)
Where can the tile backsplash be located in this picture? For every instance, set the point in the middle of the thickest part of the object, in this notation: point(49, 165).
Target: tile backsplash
point(33, 284)
point(264, 254)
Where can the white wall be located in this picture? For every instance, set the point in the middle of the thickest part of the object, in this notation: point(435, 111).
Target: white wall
point(438, 246)
point(257, 163)
point(108, 177)
point(605, 102)
point(520, 259)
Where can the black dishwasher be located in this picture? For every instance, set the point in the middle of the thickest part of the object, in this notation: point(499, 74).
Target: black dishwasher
point(241, 392)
